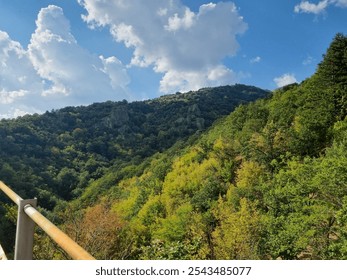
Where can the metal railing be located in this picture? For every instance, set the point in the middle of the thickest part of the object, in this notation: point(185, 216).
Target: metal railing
point(26, 219)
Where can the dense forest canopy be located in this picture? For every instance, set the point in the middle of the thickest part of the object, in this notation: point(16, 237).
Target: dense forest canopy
point(267, 181)
point(55, 156)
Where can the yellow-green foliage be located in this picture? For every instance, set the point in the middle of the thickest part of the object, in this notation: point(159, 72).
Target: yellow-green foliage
point(187, 176)
point(237, 236)
point(124, 207)
point(174, 227)
point(151, 211)
point(249, 178)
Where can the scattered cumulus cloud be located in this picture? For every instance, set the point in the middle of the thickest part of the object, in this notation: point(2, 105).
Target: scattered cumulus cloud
point(308, 7)
point(186, 47)
point(54, 71)
point(8, 97)
point(193, 80)
point(285, 79)
point(318, 8)
point(19, 82)
point(256, 59)
point(69, 69)
point(17, 77)
point(14, 113)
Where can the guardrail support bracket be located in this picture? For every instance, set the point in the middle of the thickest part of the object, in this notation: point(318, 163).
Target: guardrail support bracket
point(25, 232)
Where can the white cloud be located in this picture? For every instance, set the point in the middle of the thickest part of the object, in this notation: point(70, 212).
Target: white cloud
point(18, 80)
point(184, 46)
point(193, 80)
point(307, 7)
point(55, 71)
point(113, 68)
point(70, 69)
point(175, 23)
point(320, 7)
point(285, 79)
point(16, 73)
point(256, 59)
point(8, 97)
point(20, 111)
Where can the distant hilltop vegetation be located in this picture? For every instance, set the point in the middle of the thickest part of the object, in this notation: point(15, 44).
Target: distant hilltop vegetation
point(56, 155)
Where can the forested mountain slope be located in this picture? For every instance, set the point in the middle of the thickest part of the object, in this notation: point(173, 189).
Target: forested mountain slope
point(62, 150)
point(55, 156)
point(269, 181)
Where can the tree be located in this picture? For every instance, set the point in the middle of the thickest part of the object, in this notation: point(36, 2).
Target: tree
point(332, 72)
point(238, 235)
point(67, 180)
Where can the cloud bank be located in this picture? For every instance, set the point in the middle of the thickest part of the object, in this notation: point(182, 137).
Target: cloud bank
point(54, 71)
point(187, 48)
point(320, 7)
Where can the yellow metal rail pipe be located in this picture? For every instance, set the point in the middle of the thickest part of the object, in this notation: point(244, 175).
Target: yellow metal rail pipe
point(10, 193)
point(64, 241)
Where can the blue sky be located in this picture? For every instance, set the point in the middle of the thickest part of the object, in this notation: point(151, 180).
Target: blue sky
point(76, 52)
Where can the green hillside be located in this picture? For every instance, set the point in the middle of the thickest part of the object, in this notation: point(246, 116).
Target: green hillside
point(56, 155)
point(269, 181)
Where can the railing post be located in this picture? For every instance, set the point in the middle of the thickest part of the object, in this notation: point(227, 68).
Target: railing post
point(27, 217)
point(25, 232)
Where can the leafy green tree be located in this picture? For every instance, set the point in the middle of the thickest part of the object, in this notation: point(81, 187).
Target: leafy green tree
point(67, 180)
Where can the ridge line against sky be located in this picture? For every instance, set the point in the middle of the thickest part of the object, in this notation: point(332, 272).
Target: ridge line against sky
point(75, 52)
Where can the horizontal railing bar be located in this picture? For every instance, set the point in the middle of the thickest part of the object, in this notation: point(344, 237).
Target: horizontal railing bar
point(64, 241)
point(10, 193)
